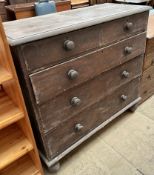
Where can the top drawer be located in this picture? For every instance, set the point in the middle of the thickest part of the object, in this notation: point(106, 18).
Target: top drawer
point(50, 51)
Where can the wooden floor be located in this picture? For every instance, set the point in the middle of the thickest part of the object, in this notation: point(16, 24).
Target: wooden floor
point(124, 148)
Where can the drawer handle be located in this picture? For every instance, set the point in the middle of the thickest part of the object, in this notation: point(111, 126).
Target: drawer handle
point(128, 50)
point(78, 127)
point(72, 74)
point(75, 101)
point(69, 45)
point(124, 97)
point(125, 74)
point(129, 26)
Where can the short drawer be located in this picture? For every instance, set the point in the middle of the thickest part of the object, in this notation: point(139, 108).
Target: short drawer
point(78, 126)
point(55, 80)
point(51, 51)
point(75, 100)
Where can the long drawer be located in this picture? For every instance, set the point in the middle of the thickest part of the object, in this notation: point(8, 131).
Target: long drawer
point(77, 99)
point(79, 125)
point(55, 80)
point(50, 51)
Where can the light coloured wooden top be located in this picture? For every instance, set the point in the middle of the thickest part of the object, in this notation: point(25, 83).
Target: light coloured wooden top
point(150, 30)
point(35, 28)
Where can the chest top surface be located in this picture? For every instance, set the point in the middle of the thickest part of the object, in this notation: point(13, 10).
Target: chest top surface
point(35, 28)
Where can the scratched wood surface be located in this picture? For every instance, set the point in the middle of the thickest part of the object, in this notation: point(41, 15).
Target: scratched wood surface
point(125, 147)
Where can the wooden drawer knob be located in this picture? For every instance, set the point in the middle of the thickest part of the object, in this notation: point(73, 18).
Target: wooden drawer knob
point(124, 97)
point(69, 45)
point(128, 50)
point(75, 101)
point(125, 74)
point(128, 26)
point(78, 127)
point(73, 74)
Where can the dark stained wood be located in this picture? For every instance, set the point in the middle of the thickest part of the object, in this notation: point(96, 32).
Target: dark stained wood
point(53, 81)
point(147, 83)
point(13, 2)
point(99, 59)
point(65, 135)
point(60, 109)
point(52, 49)
point(149, 55)
point(3, 13)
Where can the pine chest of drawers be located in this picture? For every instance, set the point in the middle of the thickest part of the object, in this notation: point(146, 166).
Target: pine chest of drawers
point(79, 70)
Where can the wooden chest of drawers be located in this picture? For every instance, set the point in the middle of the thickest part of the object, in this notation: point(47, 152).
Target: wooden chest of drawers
point(80, 72)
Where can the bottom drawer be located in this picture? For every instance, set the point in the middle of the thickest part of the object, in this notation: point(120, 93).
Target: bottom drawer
point(79, 125)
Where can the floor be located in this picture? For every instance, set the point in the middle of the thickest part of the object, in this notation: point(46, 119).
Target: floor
point(125, 147)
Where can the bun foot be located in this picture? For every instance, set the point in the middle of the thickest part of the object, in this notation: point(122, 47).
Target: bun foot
point(133, 108)
point(54, 168)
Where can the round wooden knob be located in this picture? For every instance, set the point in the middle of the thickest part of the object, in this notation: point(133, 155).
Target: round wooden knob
point(125, 74)
point(69, 45)
point(75, 101)
point(72, 74)
point(78, 127)
point(124, 97)
point(128, 50)
point(129, 26)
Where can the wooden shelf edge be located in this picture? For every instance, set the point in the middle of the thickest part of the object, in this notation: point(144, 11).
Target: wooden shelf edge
point(23, 166)
point(5, 75)
point(13, 145)
point(9, 113)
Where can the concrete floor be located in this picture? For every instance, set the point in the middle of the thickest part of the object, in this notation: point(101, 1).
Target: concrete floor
point(125, 147)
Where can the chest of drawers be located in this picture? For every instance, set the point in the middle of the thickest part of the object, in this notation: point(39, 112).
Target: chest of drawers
point(78, 73)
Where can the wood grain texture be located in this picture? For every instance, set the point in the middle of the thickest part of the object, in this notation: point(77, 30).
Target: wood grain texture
point(71, 20)
point(84, 40)
point(89, 119)
point(149, 54)
point(23, 166)
point(4, 75)
point(42, 82)
point(99, 157)
point(59, 109)
point(13, 145)
point(18, 139)
point(43, 73)
point(147, 83)
point(9, 112)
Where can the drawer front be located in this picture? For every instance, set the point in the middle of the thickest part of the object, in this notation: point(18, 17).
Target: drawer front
point(50, 51)
point(78, 126)
point(77, 99)
point(55, 80)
